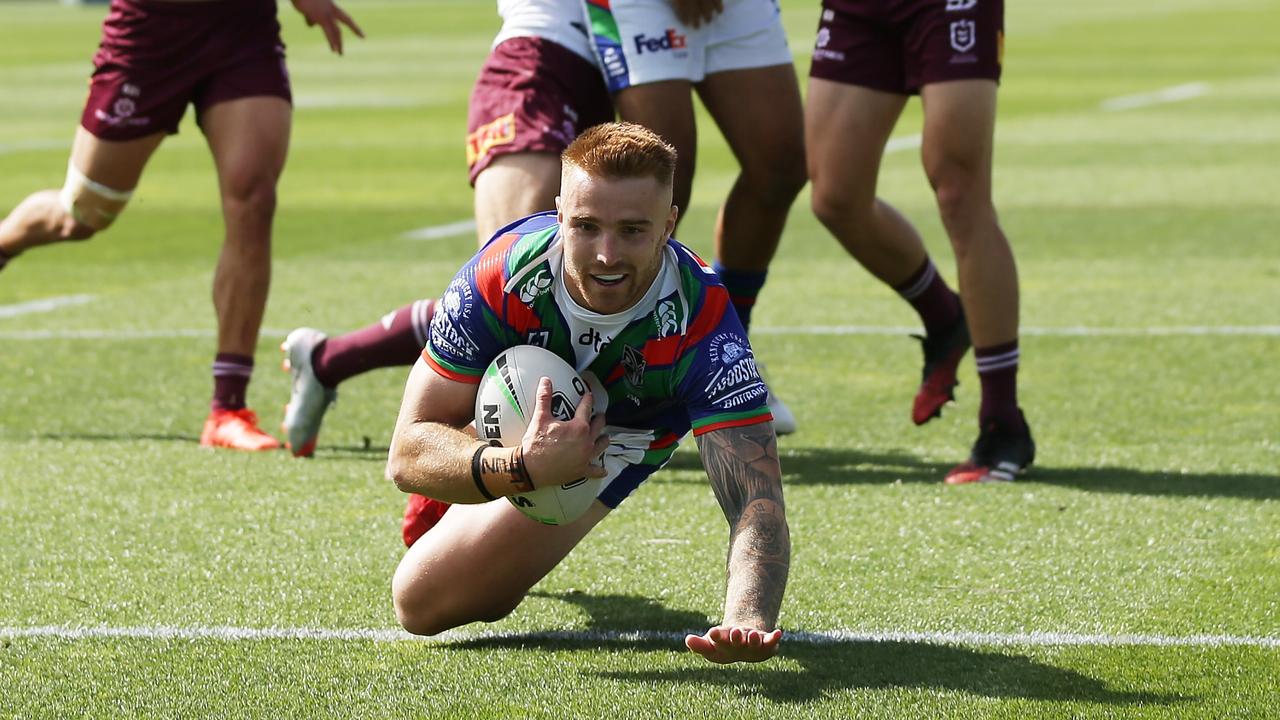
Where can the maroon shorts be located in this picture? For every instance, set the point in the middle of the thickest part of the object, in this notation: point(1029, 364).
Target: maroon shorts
point(898, 46)
point(532, 96)
point(156, 57)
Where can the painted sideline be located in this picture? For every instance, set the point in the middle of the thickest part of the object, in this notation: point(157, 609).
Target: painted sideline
point(238, 634)
point(1176, 93)
point(43, 305)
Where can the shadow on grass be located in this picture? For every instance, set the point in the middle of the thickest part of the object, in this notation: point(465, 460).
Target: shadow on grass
point(826, 668)
point(822, 466)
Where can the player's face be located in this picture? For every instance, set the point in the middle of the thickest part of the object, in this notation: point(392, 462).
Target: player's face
point(614, 232)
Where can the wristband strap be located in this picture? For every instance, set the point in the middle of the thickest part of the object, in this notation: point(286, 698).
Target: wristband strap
point(475, 473)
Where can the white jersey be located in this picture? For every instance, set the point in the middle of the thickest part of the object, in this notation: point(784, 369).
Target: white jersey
point(563, 22)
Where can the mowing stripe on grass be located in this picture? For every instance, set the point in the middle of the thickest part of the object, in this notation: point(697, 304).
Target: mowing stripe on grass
point(1177, 93)
point(876, 330)
point(26, 145)
point(43, 305)
point(439, 232)
point(235, 634)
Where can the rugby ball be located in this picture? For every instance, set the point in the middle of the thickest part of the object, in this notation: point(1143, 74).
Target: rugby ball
point(504, 406)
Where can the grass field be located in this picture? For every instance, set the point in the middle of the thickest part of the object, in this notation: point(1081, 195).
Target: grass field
point(1134, 573)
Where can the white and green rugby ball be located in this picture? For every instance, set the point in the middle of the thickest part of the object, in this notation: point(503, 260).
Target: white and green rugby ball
point(504, 406)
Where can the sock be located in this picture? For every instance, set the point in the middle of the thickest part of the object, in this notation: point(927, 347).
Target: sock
point(743, 286)
point(395, 340)
point(231, 375)
point(998, 373)
point(937, 304)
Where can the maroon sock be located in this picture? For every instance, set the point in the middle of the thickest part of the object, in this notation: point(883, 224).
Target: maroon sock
point(397, 339)
point(231, 375)
point(998, 373)
point(937, 304)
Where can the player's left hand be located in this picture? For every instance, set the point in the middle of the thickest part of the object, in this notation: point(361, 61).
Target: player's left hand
point(694, 13)
point(729, 644)
point(327, 15)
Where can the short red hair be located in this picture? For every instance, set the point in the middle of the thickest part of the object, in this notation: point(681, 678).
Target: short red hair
point(622, 150)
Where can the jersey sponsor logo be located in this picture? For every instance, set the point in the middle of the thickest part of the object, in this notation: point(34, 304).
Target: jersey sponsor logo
point(633, 363)
point(667, 317)
point(961, 5)
point(963, 35)
point(448, 323)
point(490, 135)
point(593, 339)
point(670, 40)
point(737, 379)
point(536, 286)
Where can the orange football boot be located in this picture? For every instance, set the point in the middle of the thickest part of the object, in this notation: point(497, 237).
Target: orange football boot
point(236, 429)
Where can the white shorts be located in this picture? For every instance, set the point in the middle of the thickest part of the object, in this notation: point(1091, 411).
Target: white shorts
point(641, 41)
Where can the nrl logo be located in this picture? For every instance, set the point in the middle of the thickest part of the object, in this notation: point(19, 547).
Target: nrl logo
point(536, 285)
point(633, 363)
point(963, 35)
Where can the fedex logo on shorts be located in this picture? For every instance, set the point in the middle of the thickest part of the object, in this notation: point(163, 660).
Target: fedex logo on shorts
point(672, 40)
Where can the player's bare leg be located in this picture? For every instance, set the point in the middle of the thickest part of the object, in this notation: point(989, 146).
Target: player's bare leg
point(758, 110)
point(957, 155)
point(249, 138)
point(513, 186)
point(667, 108)
point(846, 130)
point(110, 169)
point(463, 570)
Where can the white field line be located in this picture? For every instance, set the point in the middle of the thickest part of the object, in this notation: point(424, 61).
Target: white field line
point(1177, 93)
point(871, 330)
point(439, 232)
point(906, 142)
point(236, 634)
point(43, 305)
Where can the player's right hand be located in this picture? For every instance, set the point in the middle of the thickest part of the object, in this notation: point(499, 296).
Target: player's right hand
point(327, 15)
point(558, 451)
point(696, 12)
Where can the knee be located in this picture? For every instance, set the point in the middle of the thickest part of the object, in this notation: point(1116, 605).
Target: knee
point(835, 208)
point(778, 182)
point(423, 611)
point(963, 196)
point(250, 196)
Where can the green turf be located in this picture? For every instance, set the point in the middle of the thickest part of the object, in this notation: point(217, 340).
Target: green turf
point(1152, 509)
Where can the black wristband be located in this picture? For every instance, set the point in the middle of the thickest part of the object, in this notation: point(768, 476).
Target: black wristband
point(475, 473)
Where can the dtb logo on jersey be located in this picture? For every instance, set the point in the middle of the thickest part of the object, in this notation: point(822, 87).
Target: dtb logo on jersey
point(633, 363)
point(592, 337)
point(671, 40)
point(963, 35)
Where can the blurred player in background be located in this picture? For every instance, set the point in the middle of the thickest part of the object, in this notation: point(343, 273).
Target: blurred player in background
point(870, 57)
point(675, 358)
point(538, 89)
point(155, 58)
point(734, 53)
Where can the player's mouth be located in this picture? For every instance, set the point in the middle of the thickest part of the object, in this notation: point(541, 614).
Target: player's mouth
point(609, 280)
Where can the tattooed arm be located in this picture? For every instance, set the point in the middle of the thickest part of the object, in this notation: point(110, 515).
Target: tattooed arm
point(434, 450)
point(742, 464)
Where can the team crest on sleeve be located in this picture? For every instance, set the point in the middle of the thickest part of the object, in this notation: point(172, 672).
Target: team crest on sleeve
point(735, 380)
point(449, 324)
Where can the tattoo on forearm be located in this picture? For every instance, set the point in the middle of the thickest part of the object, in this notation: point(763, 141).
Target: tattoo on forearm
point(509, 471)
point(742, 465)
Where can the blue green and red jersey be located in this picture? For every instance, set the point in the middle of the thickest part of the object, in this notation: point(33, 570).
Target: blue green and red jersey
point(678, 360)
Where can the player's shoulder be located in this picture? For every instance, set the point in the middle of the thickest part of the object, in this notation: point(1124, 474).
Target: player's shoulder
point(704, 297)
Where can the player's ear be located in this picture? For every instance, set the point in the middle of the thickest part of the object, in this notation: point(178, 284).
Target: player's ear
point(559, 211)
point(671, 220)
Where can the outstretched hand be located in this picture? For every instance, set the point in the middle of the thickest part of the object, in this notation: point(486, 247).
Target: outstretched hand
point(729, 644)
point(327, 15)
point(561, 451)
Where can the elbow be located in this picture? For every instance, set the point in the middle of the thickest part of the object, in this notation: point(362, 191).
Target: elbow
point(397, 471)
